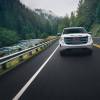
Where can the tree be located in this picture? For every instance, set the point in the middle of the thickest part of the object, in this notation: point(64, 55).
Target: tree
point(86, 13)
point(64, 22)
point(98, 13)
point(7, 37)
point(25, 22)
point(73, 19)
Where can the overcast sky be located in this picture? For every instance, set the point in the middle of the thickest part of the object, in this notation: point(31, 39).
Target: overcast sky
point(59, 7)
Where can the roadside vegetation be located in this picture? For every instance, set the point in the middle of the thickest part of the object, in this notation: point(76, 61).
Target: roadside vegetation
point(87, 15)
point(22, 23)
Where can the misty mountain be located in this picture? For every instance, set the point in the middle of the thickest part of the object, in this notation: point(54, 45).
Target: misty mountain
point(48, 14)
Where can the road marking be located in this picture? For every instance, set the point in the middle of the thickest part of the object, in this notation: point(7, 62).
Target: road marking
point(24, 88)
point(96, 45)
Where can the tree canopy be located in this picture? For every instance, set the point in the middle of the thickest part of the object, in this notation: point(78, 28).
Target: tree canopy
point(24, 22)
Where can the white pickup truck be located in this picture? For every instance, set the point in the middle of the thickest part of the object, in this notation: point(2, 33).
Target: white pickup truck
point(75, 37)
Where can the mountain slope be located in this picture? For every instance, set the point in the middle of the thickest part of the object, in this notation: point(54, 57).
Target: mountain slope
point(26, 23)
point(46, 13)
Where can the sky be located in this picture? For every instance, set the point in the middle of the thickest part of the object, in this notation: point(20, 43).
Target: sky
point(59, 7)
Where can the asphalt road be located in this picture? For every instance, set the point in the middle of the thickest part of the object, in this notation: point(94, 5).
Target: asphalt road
point(75, 77)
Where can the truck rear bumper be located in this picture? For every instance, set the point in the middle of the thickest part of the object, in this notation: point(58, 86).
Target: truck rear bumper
point(83, 46)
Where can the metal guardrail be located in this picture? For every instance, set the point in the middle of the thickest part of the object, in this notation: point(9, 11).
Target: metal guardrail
point(11, 57)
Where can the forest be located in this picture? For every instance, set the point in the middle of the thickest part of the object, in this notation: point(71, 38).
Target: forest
point(18, 22)
point(89, 15)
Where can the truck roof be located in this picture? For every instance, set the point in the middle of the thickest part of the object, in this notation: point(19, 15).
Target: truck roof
point(72, 27)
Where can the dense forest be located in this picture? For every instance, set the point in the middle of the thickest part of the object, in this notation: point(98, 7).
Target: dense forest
point(87, 15)
point(18, 22)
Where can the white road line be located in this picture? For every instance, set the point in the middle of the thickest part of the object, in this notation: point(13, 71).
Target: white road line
point(24, 88)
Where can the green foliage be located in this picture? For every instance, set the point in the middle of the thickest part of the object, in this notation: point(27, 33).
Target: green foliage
point(86, 13)
point(7, 37)
point(63, 22)
point(44, 35)
point(25, 22)
point(88, 16)
point(98, 13)
point(95, 30)
point(73, 19)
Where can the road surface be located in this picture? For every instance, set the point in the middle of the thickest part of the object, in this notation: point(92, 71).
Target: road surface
point(54, 77)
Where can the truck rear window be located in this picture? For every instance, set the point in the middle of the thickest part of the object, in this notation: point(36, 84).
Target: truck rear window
point(78, 30)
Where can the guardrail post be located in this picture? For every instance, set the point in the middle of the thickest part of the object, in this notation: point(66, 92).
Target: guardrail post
point(47, 44)
point(41, 47)
point(30, 53)
point(4, 66)
point(36, 50)
point(21, 58)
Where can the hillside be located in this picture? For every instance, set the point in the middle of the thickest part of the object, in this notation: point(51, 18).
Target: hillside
point(25, 23)
point(87, 15)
